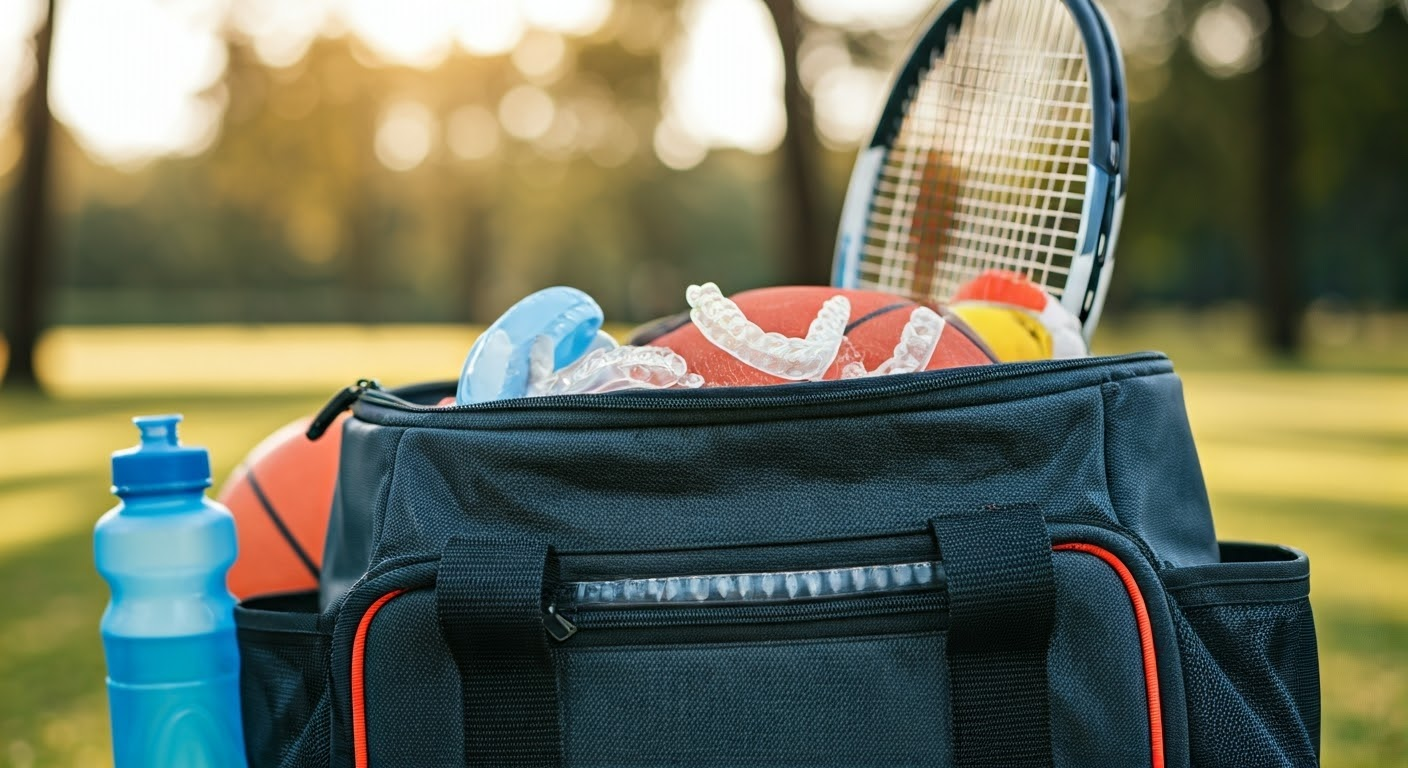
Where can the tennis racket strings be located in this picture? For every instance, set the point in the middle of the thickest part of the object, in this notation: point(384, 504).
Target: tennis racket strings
point(988, 166)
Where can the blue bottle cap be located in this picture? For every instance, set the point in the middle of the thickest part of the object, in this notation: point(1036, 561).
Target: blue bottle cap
point(159, 463)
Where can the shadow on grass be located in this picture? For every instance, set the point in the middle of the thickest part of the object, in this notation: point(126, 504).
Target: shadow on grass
point(1364, 633)
point(1371, 727)
point(51, 662)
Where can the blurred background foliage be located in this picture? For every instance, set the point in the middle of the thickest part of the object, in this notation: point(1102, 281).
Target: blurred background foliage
point(248, 161)
point(302, 193)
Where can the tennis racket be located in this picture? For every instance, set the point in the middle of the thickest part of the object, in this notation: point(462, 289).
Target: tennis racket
point(1003, 145)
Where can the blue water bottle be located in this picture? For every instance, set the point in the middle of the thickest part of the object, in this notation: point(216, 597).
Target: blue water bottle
point(169, 634)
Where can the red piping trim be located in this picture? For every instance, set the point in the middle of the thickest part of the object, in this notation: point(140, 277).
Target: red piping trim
point(359, 698)
point(1146, 642)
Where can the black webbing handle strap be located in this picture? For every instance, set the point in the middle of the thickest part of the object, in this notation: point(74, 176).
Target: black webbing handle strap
point(489, 597)
point(1001, 603)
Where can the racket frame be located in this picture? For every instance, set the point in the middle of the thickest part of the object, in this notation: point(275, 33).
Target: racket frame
point(1103, 206)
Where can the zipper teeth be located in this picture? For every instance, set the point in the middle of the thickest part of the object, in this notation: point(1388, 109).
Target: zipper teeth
point(758, 588)
point(837, 392)
point(843, 608)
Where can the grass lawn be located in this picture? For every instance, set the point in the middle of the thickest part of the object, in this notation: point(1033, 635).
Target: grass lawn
point(1314, 456)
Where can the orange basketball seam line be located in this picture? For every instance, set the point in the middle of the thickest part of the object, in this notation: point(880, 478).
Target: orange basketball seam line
point(279, 524)
point(874, 313)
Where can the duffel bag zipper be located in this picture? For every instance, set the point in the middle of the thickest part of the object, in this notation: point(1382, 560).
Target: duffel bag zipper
point(561, 628)
point(339, 403)
point(806, 393)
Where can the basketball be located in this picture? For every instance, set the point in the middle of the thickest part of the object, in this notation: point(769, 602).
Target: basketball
point(877, 320)
point(281, 496)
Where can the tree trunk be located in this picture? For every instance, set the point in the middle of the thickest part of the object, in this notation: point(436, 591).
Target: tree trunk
point(29, 235)
point(1282, 304)
point(473, 241)
point(808, 251)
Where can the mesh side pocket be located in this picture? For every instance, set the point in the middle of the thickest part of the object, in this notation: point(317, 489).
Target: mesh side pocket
point(1250, 664)
point(283, 681)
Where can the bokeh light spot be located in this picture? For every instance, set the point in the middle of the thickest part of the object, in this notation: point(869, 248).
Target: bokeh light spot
point(526, 112)
point(472, 132)
point(539, 56)
point(404, 135)
point(848, 103)
point(676, 147)
point(1224, 40)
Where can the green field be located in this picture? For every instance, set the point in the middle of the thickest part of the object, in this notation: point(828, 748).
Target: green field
point(1315, 456)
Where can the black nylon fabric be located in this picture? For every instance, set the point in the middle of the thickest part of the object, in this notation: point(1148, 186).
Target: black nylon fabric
point(834, 703)
point(358, 505)
point(489, 598)
point(415, 687)
point(1099, 711)
point(1001, 602)
point(283, 681)
point(782, 467)
point(1250, 662)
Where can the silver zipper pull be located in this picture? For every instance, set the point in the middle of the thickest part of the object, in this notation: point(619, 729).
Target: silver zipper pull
point(557, 626)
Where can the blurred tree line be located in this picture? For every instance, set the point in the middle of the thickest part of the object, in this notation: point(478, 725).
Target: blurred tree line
point(1278, 175)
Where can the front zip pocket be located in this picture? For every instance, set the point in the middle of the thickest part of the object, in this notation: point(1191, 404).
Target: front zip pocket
point(797, 604)
point(698, 658)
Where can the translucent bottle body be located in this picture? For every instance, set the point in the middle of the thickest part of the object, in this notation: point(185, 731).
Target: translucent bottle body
point(168, 632)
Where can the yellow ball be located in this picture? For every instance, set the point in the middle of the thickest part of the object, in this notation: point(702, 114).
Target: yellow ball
point(1012, 334)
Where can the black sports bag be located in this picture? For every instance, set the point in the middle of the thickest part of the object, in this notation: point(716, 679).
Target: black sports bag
point(1011, 565)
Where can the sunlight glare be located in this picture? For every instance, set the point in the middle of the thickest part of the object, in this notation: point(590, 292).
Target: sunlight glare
point(415, 33)
point(404, 135)
point(725, 84)
point(281, 31)
point(489, 27)
point(128, 77)
point(18, 20)
point(571, 17)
